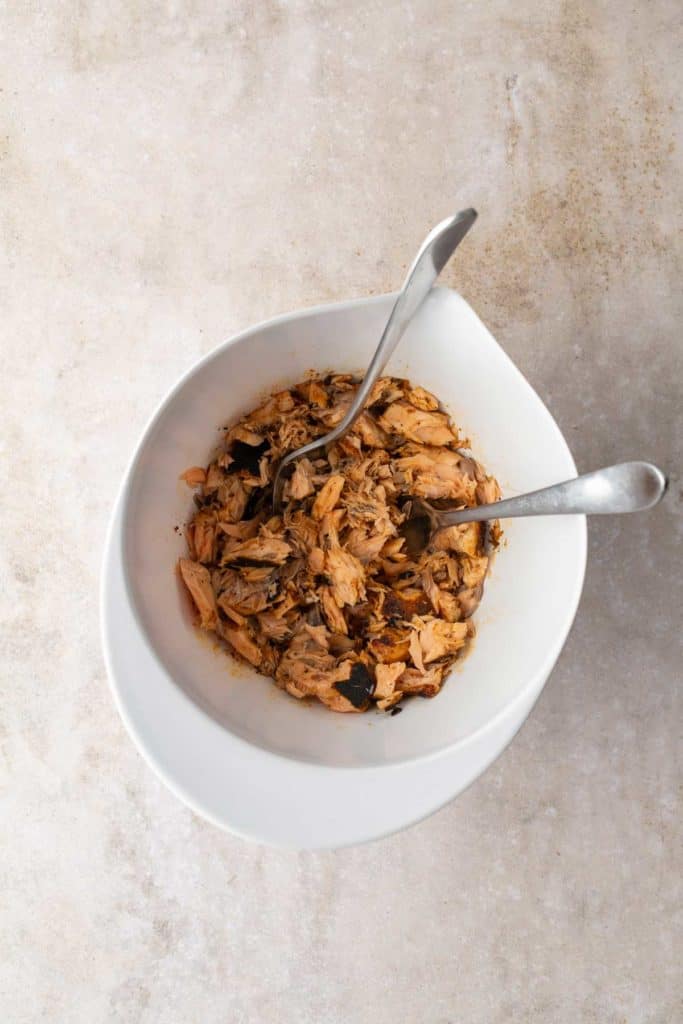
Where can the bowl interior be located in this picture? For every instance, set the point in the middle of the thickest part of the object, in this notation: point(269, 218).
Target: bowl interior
point(530, 596)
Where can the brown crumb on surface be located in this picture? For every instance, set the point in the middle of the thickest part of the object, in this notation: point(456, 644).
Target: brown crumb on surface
point(324, 598)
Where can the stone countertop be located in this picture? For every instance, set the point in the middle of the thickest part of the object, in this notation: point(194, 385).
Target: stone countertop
point(170, 174)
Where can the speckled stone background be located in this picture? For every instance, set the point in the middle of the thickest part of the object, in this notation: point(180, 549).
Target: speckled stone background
point(171, 172)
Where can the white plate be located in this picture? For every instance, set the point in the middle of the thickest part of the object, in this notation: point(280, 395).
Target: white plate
point(232, 745)
point(262, 796)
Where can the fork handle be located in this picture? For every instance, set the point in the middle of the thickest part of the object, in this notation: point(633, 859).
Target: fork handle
point(626, 487)
point(434, 254)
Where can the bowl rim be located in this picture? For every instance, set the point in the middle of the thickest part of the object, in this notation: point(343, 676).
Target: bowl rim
point(537, 681)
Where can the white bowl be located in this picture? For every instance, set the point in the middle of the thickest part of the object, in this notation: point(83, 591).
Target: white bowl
point(531, 596)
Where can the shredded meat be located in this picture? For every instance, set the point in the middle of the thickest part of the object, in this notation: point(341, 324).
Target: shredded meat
point(328, 496)
point(194, 476)
point(417, 425)
point(259, 549)
point(301, 484)
point(438, 473)
point(324, 598)
point(242, 643)
point(197, 580)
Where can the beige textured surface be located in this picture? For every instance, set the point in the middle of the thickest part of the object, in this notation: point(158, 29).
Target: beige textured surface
point(172, 172)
